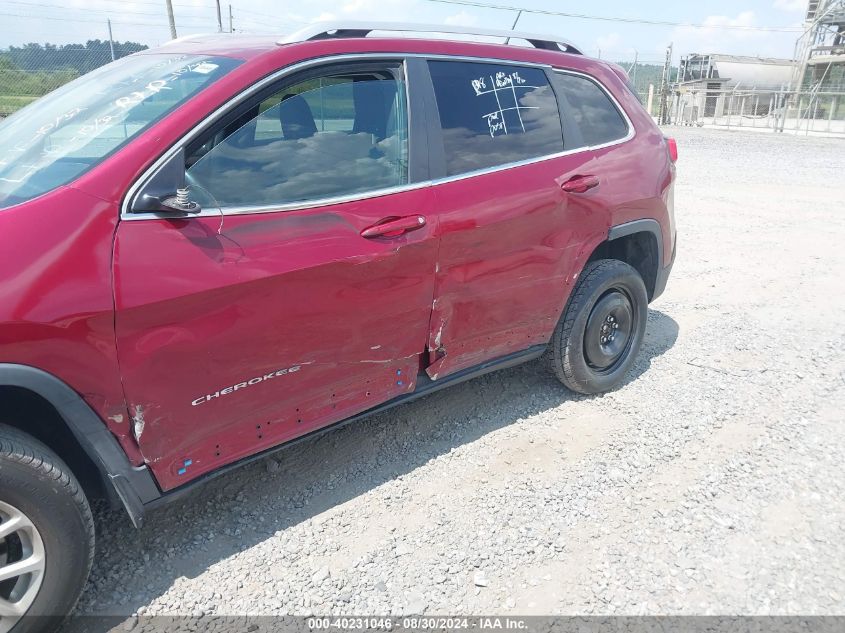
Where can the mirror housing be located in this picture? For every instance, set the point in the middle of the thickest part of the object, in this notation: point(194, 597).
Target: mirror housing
point(166, 192)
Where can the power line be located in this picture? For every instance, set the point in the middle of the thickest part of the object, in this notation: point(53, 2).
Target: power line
point(123, 11)
point(184, 19)
point(96, 21)
point(582, 16)
point(104, 11)
point(268, 15)
point(120, 2)
point(75, 10)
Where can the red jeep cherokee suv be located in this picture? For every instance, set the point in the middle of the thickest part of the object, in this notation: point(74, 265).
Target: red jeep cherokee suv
point(216, 247)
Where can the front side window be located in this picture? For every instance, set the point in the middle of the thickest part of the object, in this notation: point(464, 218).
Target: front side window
point(64, 134)
point(597, 118)
point(322, 137)
point(494, 114)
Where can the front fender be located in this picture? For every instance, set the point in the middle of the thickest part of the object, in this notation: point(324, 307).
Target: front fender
point(134, 486)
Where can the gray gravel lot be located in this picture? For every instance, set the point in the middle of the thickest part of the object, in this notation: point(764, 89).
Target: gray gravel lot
point(711, 483)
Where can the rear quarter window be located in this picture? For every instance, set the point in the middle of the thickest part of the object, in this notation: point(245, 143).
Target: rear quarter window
point(597, 117)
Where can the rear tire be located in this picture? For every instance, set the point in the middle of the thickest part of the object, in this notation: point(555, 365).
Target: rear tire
point(601, 330)
point(47, 529)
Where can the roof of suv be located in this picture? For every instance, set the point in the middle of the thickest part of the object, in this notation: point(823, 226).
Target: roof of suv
point(249, 46)
point(327, 39)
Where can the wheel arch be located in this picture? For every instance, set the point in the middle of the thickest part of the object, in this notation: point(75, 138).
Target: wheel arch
point(76, 433)
point(638, 243)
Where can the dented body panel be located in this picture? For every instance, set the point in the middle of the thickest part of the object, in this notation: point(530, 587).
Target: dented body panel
point(281, 324)
point(56, 308)
point(508, 246)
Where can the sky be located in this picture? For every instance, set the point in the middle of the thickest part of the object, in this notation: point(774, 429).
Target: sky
point(145, 21)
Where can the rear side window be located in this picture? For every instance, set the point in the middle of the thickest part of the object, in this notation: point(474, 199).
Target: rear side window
point(597, 117)
point(494, 114)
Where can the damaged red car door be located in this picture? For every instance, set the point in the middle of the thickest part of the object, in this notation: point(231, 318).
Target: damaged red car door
point(299, 296)
point(512, 232)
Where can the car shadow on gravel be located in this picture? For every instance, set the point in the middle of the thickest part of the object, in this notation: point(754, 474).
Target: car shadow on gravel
point(245, 508)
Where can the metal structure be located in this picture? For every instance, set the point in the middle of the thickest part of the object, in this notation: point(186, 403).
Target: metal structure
point(762, 73)
point(663, 103)
point(326, 30)
point(707, 85)
point(804, 95)
point(820, 50)
point(792, 111)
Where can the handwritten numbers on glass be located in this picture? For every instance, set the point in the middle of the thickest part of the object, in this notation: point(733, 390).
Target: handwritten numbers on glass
point(504, 88)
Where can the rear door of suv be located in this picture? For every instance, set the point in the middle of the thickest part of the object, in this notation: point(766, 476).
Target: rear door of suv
point(517, 205)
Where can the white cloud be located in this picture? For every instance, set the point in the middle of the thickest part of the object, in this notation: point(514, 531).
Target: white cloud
point(462, 19)
point(791, 5)
point(608, 43)
point(378, 8)
point(712, 38)
point(746, 18)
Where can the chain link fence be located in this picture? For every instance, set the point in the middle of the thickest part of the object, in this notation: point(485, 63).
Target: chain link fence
point(31, 71)
point(808, 111)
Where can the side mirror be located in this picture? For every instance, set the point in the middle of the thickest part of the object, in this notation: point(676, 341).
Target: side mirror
point(166, 192)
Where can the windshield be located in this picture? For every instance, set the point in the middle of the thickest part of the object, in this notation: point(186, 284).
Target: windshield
point(64, 134)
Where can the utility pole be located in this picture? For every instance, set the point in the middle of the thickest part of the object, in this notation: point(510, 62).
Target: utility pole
point(231, 28)
point(171, 19)
point(111, 39)
point(632, 73)
point(513, 26)
point(663, 103)
point(219, 19)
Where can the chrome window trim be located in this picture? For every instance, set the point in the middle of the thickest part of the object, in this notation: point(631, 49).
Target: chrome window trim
point(290, 206)
point(631, 131)
point(126, 214)
point(506, 166)
point(210, 119)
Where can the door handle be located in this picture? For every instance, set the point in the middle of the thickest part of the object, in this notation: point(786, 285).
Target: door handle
point(580, 184)
point(394, 227)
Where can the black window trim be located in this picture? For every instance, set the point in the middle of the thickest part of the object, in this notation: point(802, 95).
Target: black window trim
point(570, 128)
point(421, 113)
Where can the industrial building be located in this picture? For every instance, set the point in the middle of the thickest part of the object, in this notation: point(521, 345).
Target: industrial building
point(710, 85)
point(806, 93)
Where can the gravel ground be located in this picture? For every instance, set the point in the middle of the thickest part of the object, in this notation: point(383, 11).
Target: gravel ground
point(711, 483)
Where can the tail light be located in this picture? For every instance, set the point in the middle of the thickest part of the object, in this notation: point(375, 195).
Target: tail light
point(672, 145)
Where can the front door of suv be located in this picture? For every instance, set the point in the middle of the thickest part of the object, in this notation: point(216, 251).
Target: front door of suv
point(510, 232)
point(288, 303)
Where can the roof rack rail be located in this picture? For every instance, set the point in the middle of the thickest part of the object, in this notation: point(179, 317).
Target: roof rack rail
point(331, 30)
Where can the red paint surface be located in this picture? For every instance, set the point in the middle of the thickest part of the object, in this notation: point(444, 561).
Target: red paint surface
point(56, 307)
point(197, 312)
point(509, 242)
point(274, 291)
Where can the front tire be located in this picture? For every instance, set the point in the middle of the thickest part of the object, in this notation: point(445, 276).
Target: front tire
point(601, 330)
point(46, 535)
